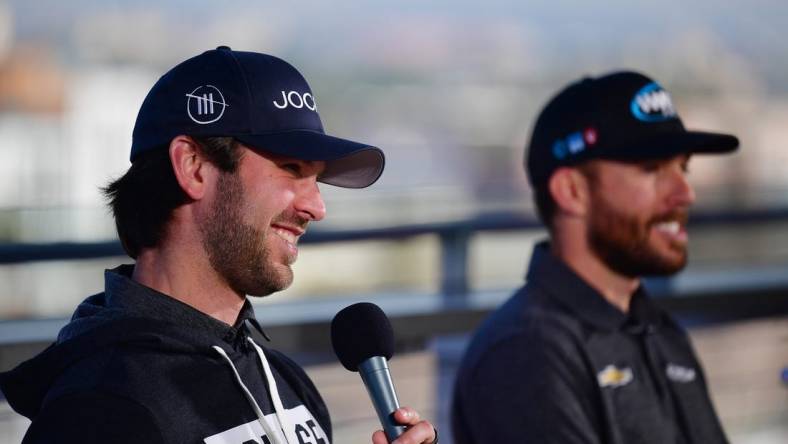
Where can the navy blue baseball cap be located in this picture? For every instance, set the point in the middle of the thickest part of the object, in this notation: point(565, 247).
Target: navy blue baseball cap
point(261, 101)
point(619, 116)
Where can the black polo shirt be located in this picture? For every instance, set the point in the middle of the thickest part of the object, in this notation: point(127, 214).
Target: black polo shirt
point(557, 363)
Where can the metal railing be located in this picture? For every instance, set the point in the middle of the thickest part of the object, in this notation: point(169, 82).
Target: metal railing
point(454, 239)
point(302, 325)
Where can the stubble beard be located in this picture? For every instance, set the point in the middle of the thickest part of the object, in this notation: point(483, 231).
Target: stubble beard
point(236, 250)
point(622, 243)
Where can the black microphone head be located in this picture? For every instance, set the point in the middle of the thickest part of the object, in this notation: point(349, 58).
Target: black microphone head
point(359, 332)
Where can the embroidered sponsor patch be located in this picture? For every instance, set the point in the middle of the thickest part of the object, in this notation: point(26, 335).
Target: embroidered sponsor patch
point(612, 376)
point(574, 143)
point(205, 104)
point(296, 99)
point(652, 104)
point(678, 373)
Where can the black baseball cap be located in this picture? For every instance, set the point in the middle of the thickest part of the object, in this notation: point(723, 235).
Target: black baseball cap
point(619, 116)
point(261, 101)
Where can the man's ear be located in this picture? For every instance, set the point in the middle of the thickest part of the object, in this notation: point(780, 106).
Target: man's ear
point(570, 191)
point(191, 169)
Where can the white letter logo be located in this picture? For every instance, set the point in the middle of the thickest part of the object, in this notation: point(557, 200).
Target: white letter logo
point(296, 100)
point(678, 373)
point(203, 107)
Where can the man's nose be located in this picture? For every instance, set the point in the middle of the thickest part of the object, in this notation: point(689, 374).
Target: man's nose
point(309, 202)
point(683, 194)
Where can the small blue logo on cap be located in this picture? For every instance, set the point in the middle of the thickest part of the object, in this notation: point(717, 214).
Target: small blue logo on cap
point(575, 142)
point(652, 104)
point(205, 104)
point(560, 150)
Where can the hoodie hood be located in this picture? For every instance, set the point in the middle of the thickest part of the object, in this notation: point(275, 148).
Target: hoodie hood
point(125, 313)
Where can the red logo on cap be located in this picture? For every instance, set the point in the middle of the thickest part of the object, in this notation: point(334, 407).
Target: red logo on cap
point(590, 136)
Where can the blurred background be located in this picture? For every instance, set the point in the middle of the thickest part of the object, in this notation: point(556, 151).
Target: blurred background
point(449, 90)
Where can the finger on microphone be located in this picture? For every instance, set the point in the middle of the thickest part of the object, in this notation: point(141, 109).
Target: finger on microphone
point(419, 433)
point(406, 416)
point(379, 437)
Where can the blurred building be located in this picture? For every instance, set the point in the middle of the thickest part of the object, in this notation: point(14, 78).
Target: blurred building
point(449, 89)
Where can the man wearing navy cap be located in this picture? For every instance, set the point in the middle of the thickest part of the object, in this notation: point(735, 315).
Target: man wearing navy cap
point(228, 149)
point(580, 354)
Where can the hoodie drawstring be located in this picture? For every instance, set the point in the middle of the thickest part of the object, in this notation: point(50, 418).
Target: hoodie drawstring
point(280, 416)
point(274, 392)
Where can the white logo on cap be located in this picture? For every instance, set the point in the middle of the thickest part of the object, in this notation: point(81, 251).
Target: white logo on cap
point(652, 104)
point(296, 100)
point(207, 107)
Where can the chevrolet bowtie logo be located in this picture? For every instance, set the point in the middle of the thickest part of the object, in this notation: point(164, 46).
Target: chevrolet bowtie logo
point(612, 376)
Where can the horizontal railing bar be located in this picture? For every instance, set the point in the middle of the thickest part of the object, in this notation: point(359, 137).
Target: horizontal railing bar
point(690, 293)
point(27, 252)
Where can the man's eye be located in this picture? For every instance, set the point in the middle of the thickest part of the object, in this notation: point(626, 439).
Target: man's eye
point(292, 167)
point(650, 166)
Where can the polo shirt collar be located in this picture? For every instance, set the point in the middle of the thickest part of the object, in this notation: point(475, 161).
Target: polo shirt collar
point(569, 290)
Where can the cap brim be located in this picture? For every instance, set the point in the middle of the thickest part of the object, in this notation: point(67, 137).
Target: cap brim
point(672, 144)
point(348, 164)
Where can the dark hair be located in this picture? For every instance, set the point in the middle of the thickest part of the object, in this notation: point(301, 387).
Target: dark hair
point(142, 200)
point(545, 205)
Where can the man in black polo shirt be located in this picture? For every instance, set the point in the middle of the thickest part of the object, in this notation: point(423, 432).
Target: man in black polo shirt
point(580, 354)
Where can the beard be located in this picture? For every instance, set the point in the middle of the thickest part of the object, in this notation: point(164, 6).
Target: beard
point(237, 250)
point(622, 242)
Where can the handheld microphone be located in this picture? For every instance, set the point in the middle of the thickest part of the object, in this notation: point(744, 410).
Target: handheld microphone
point(363, 341)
